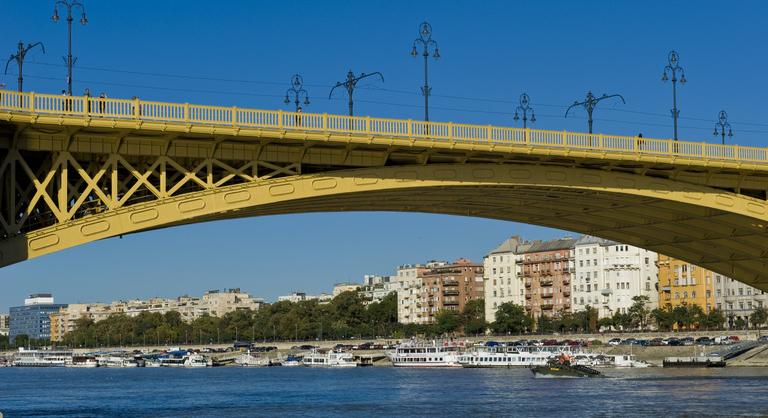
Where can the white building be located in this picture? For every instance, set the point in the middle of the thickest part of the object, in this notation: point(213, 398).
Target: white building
point(409, 282)
point(301, 296)
point(503, 276)
point(737, 300)
point(609, 274)
point(376, 288)
point(340, 288)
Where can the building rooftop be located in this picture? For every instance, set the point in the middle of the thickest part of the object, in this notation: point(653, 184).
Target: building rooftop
point(591, 240)
point(551, 245)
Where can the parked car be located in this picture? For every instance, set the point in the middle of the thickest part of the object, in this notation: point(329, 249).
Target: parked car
point(705, 341)
point(614, 341)
point(763, 339)
point(687, 341)
point(734, 339)
point(656, 341)
point(674, 342)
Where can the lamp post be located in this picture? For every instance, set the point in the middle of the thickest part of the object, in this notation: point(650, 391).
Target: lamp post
point(674, 68)
point(590, 103)
point(722, 123)
point(21, 53)
point(296, 90)
point(524, 107)
point(426, 41)
point(69, 4)
point(350, 85)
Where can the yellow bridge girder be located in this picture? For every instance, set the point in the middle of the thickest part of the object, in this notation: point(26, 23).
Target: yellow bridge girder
point(71, 176)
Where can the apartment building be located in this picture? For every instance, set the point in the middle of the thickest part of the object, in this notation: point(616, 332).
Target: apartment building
point(608, 275)
point(681, 282)
point(546, 270)
point(502, 269)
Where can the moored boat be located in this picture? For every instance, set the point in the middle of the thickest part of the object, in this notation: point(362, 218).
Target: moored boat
point(331, 358)
point(426, 354)
point(42, 358)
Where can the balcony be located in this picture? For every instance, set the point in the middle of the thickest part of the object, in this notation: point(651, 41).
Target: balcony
point(567, 292)
point(566, 280)
point(450, 302)
point(606, 292)
point(527, 283)
point(547, 295)
point(450, 292)
point(527, 295)
point(547, 306)
point(666, 289)
point(545, 282)
point(451, 283)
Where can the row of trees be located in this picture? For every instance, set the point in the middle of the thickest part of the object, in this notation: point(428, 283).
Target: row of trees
point(347, 316)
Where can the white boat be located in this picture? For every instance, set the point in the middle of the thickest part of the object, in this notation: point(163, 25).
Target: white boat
point(427, 354)
point(42, 358)
point(292, 361)
point(628, 360)
point(503, 357)
point(329, 358)
point(252, 360)
point(83, 362)
point(183, 358)
point(115, 361)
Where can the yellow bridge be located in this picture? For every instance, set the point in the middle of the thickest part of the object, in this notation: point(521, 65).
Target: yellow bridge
point(78, 169)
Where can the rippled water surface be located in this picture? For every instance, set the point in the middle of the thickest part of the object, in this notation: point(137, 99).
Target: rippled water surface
point(377, 391)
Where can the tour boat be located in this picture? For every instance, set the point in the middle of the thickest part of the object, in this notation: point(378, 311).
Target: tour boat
point(252, 360)
point(116, 361)
point(628, 360)
point(427, 354)
point(503, 357)
point(83, 362)
point(183, 358)
point(332, 358)
point(42, 358)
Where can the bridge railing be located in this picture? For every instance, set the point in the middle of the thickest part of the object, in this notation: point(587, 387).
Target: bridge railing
point(142, 110)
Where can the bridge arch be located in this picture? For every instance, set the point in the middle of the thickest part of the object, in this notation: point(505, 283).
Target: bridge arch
point(718, 230)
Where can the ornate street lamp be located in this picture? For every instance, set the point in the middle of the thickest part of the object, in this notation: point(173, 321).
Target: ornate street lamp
point(297, 91)
point(674, 68)
point(426, 41)
point(69, 4)
point(722, 123)
point(524, 107)
point(590, 103)
point(21, 53)
point(350, 85)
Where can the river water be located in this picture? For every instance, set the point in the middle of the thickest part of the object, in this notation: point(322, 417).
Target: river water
point(379, 391)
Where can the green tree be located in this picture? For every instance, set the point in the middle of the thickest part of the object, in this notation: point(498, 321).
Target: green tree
point(759, 317)
point(713, 320)
point(474, 317)
point(511, 319)
point(639, 311)
point(663, 317)
point(448, 321)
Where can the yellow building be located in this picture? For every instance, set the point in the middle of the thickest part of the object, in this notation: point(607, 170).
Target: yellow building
point(683, 283)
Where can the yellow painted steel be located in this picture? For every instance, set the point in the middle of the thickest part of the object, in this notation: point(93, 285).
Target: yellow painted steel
point(76, 170)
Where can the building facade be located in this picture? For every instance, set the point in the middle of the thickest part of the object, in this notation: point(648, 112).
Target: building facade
point(546, 270)
point(340, 288)
point(450, 286)
point(502, 269)
point(608, 274)
point(5, 323)
point(33, 319)
point(375, 288)
point(737, 300)
point(296, 297)
point(409, 281)
point(681, 283)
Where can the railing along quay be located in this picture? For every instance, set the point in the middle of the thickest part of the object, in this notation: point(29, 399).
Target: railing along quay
point(185, 113)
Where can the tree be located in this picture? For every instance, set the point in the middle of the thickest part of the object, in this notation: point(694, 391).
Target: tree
point(447, 321)
point(759, 317)
point(639, 311)
point(622, 320)
point(714, 319)
point(511, 319)
point(474, 317)
point(663, 317)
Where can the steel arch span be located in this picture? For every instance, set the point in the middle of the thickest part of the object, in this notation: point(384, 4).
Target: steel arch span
point(75, 170)
point(717, 230)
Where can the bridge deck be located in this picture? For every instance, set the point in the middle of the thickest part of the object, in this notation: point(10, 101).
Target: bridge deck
point(184, 117)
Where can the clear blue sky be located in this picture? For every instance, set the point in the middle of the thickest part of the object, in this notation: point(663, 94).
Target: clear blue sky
point(243, 54)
